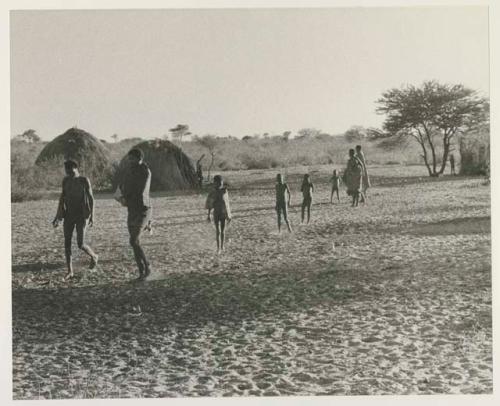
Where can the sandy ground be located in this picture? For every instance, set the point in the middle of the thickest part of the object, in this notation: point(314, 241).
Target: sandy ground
point(393, 297)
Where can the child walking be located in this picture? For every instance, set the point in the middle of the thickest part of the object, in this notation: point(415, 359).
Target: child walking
point(307, 190)
point(282, 201)
point(335, 180)
point(218, 201)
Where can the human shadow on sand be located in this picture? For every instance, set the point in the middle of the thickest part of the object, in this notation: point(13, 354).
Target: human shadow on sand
point(190, 299)
point(37, 267)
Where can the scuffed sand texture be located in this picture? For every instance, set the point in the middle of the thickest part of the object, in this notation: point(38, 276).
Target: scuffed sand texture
point(390, 298)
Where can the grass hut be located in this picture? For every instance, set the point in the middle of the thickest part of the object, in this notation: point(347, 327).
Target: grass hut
point(475, 154)
point(171, 169)
point(82, 147)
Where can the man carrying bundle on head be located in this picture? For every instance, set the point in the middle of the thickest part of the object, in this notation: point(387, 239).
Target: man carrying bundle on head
point(135, 190)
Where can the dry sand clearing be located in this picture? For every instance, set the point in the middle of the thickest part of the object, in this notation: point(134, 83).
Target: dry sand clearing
point(389, 298)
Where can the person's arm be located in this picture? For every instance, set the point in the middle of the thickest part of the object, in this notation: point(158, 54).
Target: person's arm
point(91, 201)
point(312, 187)
point(228, 208)
point(60, 208)
point(289, 196)
point(144, 176)
point(209, 204)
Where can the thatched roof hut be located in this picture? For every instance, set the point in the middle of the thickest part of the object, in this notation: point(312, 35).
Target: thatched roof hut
point(171, 169)
point(82, 147)
point(475, 153)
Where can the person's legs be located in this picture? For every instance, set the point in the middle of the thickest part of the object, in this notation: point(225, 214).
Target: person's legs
point(309, 211)
point(338, 198)
point(68, 228)
point(285, 217)
point(135, 232)
point(80, 237)
point(278, 212)
point(302, 212)
point(331, 195)
point(217, 233)
point(222, 236)
point(361, 195)
point(137, 222)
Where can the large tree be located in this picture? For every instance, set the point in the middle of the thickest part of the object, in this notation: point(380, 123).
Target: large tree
point(179, 131)
point(433, 114)
point(29, 136)
point(304, 133)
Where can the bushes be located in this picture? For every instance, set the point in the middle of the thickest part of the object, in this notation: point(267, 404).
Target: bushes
point(230, 154)
point(258, 162)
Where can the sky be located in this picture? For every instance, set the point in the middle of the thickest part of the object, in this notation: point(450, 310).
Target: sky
point(138, 73)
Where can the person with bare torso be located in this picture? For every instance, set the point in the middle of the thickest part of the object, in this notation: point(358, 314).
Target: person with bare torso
point(218, 201)
point(282, 201)
point(335, 181)
point(307, 190)
point(135, 188)
point(76, 208)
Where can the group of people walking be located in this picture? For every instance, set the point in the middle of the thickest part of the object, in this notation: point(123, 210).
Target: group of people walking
point(76, 203)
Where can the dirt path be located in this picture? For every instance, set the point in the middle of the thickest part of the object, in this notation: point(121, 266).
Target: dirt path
point(390, 298)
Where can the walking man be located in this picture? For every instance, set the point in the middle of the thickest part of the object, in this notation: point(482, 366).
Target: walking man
point(135, 189)
point(76, 208)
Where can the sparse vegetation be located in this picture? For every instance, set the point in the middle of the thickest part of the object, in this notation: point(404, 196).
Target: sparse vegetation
point(434, 115)
point(441, 118)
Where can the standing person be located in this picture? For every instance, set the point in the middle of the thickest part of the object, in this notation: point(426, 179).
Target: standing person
point(452, 164)
point(135, 189)
point(218, 201)
point(199, 172)
point(335, 180)
point(366, 179)
point(282, 202)
point(307, 190)
point(354, 178)
point(76, 208)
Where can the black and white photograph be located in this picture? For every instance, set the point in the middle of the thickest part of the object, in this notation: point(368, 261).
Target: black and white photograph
point(260, 202)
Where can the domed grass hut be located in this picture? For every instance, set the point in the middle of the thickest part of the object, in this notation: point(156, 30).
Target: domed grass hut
point(82, 147)
point(475, 153)
point(171, 169)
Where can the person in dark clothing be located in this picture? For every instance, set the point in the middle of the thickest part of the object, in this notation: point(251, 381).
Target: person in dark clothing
point(135, 190)
point(452, 164)
point(76, 208)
